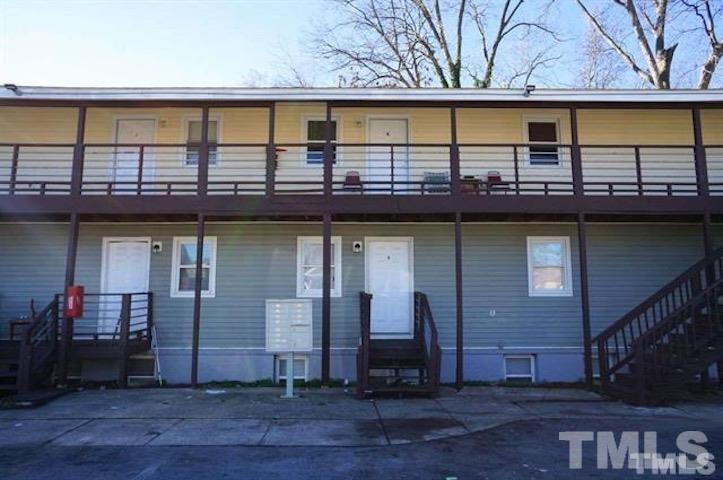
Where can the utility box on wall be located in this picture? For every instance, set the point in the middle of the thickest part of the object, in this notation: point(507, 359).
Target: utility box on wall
point(289, 325)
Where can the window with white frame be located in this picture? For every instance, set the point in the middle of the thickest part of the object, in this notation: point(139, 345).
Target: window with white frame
point(193, 142)
point(309, 266)
point(183, 274)
point(520, 368)
point(548, 265)
point(543, 137)
point(316, 139)
point(301, 368)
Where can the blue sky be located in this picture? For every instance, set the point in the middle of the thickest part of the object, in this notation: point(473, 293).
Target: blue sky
point(194, 43)
point(147, 43)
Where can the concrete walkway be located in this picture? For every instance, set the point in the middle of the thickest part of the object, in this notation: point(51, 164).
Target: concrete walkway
point(245, 417)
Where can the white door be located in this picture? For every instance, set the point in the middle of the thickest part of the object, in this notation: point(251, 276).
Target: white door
point(388, 165)
point(126, 160)
point(126, 268)
point(390, 280)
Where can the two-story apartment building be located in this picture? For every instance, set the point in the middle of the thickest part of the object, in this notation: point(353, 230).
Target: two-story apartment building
point(528, 222)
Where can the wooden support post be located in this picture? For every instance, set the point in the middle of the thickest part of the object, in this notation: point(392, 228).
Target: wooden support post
point(14, 169)
point(66, 334)
point(701, 166)
point(459, 370)
point(200, 235)
point(584, 297)
point(203, 154)
point(328, 154)
point(125, 327)
point(576, 157)
point(454, 167)
point(271, 153)
point(710, 277)
point(326, 301)
point(76, 175)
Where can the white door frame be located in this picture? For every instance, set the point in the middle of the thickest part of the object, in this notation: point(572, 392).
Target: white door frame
point(149, 164)
point(410, 251)
point(369, 161)
point(104, 260)
point(104, 303)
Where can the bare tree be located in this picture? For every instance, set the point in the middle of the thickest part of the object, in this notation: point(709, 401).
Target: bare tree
point(416, 43)
point(508, 21)
point(707, 15)
point(647, 25)
point(381, 43)
point(600, 67)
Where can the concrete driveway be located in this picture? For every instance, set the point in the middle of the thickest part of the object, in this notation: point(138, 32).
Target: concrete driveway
point(90, 432)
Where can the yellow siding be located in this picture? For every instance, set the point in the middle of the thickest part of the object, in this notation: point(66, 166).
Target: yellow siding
point(37, 125)
point(712, 123)
point(100, 122)
point(426, 125)
point(503, 125)
point(635, 127)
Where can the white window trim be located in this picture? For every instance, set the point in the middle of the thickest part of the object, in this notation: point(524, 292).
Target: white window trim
point(512, 376)
point(184, 138)
point(557, 120)
point(280, 378)
point(305, 139)
point(336, 287)
point(176, 266)
point(566, 267)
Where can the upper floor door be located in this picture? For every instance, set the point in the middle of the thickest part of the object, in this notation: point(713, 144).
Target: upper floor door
point(388, 165)
point(130, 133)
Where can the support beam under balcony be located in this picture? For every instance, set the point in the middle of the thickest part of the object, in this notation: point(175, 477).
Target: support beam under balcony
point(200, 235)
point(66, 334)
point(459, 370)
point(326, 301)
point(585, 297)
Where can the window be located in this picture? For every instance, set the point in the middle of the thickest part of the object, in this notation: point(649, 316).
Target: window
point(315, 138)
point(193, 142)
point(309, 267)
point(520, 368)
point(184, 267)
point(548, 264)
point(542, 135)
point(301, 368)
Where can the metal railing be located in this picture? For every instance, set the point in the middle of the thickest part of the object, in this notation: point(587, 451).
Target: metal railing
point(357, 169)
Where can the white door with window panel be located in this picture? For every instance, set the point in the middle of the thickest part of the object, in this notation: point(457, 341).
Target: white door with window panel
point(126, 159)
point(382, 173)
point(126, 268)
point(390, 281)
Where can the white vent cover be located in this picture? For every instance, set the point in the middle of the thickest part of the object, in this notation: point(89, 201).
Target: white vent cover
point(288, 325)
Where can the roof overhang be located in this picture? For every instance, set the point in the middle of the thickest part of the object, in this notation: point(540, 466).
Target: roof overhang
point(73, 95)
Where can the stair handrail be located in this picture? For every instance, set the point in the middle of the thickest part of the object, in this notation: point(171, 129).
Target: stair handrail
point(362, 380)
point(653, 311)
point(686, 315)
point(426, 332)
point(43, 328)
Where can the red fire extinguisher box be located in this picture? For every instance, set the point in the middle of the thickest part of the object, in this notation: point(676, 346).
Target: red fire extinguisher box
point(74, 301)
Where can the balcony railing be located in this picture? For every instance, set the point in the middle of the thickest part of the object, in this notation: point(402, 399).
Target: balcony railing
point(357, 169)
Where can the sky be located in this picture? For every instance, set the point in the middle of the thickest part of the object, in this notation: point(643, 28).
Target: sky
point(148, 43)
point(187, 43)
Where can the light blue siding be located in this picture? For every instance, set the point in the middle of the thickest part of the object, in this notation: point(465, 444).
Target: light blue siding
point(256, 261)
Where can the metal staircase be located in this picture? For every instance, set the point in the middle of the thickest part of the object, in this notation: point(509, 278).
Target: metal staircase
point(654, 351)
